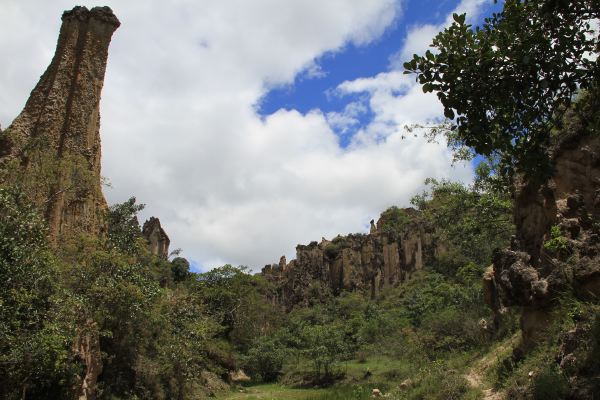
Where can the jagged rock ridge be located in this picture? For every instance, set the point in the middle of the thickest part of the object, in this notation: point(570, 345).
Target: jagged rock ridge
point(354, 262)
point(53, 147)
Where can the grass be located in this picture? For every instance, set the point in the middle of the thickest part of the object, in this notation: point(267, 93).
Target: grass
point(381, 372)
point(272, 392)
point(279, 392)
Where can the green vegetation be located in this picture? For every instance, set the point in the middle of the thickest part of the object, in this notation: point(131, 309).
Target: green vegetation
point(557, 242)
point(32, 339)
point(424, 332)
point(394, 221)
point(543, 373)
point(101, 309)
point(156, 328)
point(505, 87)
point(332, 250)
point(470, 221)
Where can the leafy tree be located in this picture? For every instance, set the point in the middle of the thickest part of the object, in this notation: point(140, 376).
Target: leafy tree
point(470, 222)
point(34, 345)
point(123, 226)
point(324, 345)
point(507, 83)
point(180, 269)
point(394, 221)
point(113, 296)
point(265, 358)
point(238, 300)
point(182, 335)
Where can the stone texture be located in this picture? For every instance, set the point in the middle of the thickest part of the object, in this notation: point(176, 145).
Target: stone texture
point(361, 262)
point(53, 146)
point(158, 240)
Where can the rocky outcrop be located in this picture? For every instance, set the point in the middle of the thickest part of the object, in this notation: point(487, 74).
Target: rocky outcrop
point(52, 149)
point(557, 245)
point(361, 262)
point(158, 241)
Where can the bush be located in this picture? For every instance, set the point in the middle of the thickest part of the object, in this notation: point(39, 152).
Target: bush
point(34, 343)
point(180, 269)
point(331, 251)
point(450, 330)
point(441, 385)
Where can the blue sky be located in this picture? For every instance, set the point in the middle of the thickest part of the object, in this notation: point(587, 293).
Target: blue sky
point(352, 62)
point(285, 125)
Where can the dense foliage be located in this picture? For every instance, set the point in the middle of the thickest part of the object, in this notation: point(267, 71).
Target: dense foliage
point(103, 310)
point(33, 342)
point(101, 301)
point(157, 329)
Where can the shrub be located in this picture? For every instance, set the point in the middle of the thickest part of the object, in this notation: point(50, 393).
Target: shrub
point(180, 269)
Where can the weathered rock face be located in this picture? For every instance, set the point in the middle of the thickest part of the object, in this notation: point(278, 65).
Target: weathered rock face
point(53, 146)
point(557, 245)
point(355, 262)
point(158, 241)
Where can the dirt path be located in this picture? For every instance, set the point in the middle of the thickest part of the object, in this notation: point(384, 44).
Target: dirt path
point(475, 376)
point(475, 380)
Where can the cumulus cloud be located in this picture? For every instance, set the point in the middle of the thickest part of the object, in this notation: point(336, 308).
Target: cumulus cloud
point(180, 130)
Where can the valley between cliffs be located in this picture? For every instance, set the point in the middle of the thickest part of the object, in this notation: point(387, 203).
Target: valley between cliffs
point(482, 291)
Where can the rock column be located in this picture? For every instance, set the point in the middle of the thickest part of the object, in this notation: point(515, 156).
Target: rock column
point(55, 142)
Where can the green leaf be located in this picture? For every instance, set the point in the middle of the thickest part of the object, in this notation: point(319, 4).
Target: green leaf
point(460, 19)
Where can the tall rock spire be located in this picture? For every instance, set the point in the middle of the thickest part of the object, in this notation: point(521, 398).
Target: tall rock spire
point(53, 147)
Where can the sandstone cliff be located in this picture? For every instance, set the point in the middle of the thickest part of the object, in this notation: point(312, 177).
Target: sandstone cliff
point(361, 262)
point(52, 148)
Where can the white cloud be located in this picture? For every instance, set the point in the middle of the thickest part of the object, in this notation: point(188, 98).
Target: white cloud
point(389, 81)
point(180, 131)
point(343, 122)
point(419, 37)
point(396, 99)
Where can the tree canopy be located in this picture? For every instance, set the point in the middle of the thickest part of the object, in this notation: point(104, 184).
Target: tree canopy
point(506, 84)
